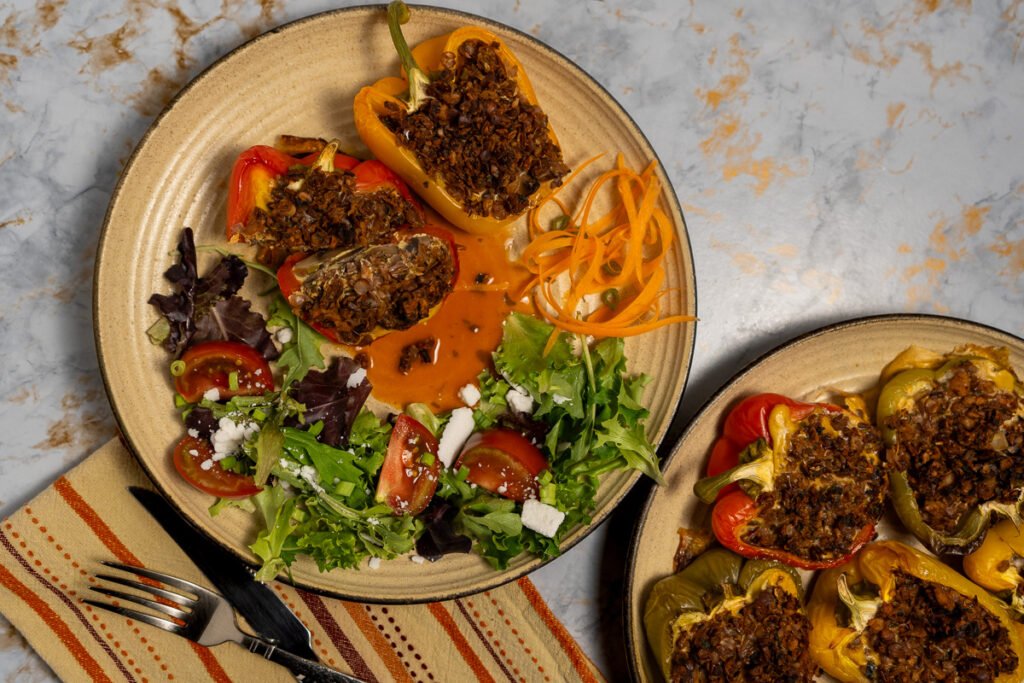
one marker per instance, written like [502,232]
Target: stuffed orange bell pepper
[471,138]
[895,613]
[285,204]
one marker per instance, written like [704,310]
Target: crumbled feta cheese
[229,436]
[193,452]
[458,429]
[542,518]
[418,559]
[194,433]
[374,563]
[212,394]
[519,401]
[283,335]
[559,399]
[309,474]
[469,395]
[206,465]
[356,378]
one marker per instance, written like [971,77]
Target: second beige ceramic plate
[301,79]
[848,357]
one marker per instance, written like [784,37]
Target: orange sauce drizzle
[467,328]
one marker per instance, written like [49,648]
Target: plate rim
[636,651]
[675,422]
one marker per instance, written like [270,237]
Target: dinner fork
[202,616]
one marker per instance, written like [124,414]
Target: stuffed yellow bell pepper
[895,613]
[997,563]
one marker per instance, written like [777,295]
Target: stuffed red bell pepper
[811,485]
[285,204]
[353,296]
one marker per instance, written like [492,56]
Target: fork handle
[304,670]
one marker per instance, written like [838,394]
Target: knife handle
[303,669]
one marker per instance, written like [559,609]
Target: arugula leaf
[302,352]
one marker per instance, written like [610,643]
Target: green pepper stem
[760,471]
[398,14]
[862,610]
[325,161]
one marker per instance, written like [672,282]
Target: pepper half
[716,585]
[953,425]
[383,97]
[268,187]
[998,561]
[811,486]
[858,604]
[354,296]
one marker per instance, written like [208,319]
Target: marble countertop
[833,160]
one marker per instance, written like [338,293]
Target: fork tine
[188,586]
[160,592]
[138,616]
[145,602]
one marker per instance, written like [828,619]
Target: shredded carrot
[613,264]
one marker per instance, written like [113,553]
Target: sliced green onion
[259,415]
[344,488]
[548,493]
[233,381]
[178,368]
[179,401]
[462,473]
[610,298]
[228,462]
[428,459]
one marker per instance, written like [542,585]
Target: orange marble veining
[949,72]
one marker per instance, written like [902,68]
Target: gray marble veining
[833,160]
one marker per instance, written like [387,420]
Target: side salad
[274,427]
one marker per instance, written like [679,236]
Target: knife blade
[255,601]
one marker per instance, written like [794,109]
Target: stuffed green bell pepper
[726,619]
[953,426]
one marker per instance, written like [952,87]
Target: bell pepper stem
[325,160]
[862,610]
[398,14]
[760,471]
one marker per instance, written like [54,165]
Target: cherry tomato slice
[209,365]
[189,455]
[503,462]
[407,483]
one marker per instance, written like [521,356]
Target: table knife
[255,601]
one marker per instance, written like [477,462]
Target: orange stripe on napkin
[103,532]
[380,644]
[78,651]
[557,630]
[452,629]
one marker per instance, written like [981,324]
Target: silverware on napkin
[257,602]
[200,615]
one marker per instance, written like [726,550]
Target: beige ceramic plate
[848,356]
[301,79]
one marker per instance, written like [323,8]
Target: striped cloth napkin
[50,548]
